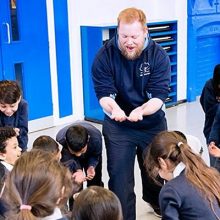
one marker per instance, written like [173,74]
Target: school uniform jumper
[180,200]
[215,130]
[211,108]
[210,105]
[92,157]
[18,120]
[131,83]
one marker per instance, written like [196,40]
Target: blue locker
[25,52]
[203,44]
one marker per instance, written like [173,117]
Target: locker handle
[8,32]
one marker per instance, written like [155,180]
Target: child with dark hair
[192,188]
[82,153]
[77,139]
[210,102]
[47,143]
[14,111]
[9,148]
[9,153]
[97,203]
[82,150]
[37,187]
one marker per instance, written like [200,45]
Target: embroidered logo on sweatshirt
[144,69]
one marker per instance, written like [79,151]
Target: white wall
[96,12]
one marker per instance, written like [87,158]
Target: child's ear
[2,156]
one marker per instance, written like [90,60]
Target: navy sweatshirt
[94,148]
[132,82]
[180,200]
[215,130]
[18,120]
[210,105]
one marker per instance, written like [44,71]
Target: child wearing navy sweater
[192,188]
[14,111]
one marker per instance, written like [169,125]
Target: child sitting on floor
[192,188]
[9,148]
[37,187]
[96,202]
[47,143]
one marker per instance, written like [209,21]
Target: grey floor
[186,117]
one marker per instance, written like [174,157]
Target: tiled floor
[186,117]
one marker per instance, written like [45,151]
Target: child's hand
[17,130]
[90,173]
[79,176]
[214,150]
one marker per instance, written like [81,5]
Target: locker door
[207,57]
[24,52]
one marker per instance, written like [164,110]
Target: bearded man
[131,75]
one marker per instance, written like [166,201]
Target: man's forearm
[108,104]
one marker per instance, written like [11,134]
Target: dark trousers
[122,145]
[215,162]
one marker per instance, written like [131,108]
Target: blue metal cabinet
[165,34]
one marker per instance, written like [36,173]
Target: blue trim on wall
[63,57]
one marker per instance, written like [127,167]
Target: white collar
[8,166]
[178,169]
[56,215]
